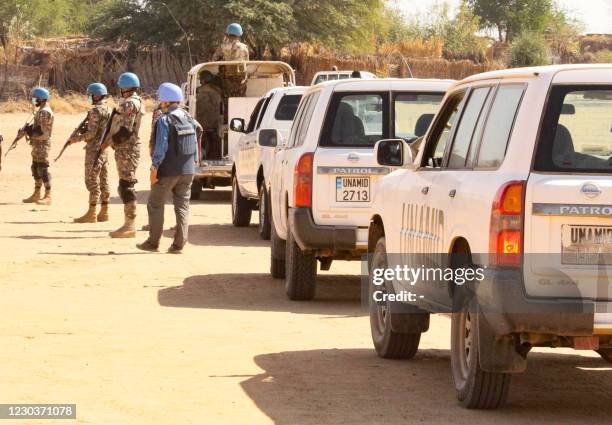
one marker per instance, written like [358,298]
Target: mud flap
[498,353]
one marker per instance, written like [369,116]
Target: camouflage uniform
[210,115]
[40,135]
[96,175]
[231,50]
[126,143]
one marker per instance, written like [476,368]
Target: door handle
[452,193]
[425,190]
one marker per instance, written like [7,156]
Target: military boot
[35,197]
[46,200]
[103,214]
[128,230]
[89,217]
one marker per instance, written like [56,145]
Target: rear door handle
[452,193]
[425,190]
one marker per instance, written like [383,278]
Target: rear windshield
[287,107]
[360,119]
[576,134]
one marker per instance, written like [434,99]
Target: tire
[241,207]
[196,189]
[264,213]
[301,272]
[475,388]
[606,354]
[277,252]
[388,343]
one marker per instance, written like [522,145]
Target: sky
[596,15]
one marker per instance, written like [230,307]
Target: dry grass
[415,48]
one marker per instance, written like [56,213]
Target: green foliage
[512,17]
[562,35]
[460,37]
[43,18]
[529,49]
[268,24]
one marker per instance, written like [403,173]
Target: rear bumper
[219,168]
[310,236]
[507,309]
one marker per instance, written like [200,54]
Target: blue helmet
[169,92]
[128,80]
[40,93]
[234,29]
[97,89]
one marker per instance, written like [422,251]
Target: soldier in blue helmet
[125,141]
[96,173]
[39,134]
[173,165]
[232,49]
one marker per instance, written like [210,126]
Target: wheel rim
[381,313]
[466,344]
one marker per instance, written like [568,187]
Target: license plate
[586,245]
[352,189]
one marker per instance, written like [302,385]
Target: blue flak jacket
[176,147]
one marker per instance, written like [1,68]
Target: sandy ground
[208,337]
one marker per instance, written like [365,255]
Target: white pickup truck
[512,185]
[217,91]
[252,167]
[325,177]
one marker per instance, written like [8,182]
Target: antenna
[182,29]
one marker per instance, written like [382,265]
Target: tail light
[506,231]
[302,181]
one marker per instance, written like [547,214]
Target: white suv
[513,185]
[255,151]
[325,178]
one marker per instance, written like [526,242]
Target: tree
[512,17]
[529,49]
[268,24]
[460,37]
[562,35]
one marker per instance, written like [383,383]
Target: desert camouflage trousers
[40,151]
[96,177]
[127,156]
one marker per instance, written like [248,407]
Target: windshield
[577,131]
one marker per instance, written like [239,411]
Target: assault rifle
[103,144]
[82,128]
[20,135]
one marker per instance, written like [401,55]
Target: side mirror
[237,125]
[393,152]
[268,137]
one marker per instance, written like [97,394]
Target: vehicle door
[345,172]
[247,142]
[420,237]
[568,202]
[252,151]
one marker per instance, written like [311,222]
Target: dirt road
[208,337]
